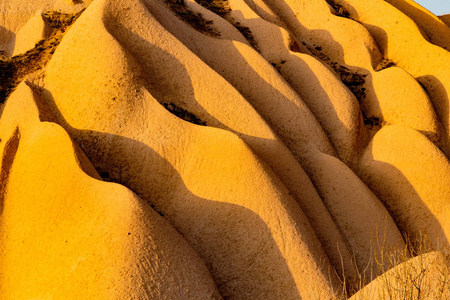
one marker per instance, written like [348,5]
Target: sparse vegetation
[8,78]
[221,8]
[421,278]
[245,31]
[194,19]
[15,69]
[198,21]
[354,81]
[404,273]
[58,20]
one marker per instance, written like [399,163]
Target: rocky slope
[208,149]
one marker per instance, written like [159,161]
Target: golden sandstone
[236,149]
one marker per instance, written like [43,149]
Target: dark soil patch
[222,8]
[58,20]
[8,79]
[245,31]
[15,69]
[384,64]
[354,81]
[9,154]
[339,9]
[219,7]
[373,122]
[294,46]
[194,19]
[183,114]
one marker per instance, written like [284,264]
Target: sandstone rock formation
[31,33]
[445,19]
[67,234]
[244,149]
[16,14]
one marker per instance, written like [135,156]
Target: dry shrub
[417,271]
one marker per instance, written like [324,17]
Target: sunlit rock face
[209,149]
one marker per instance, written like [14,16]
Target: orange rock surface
[236,149]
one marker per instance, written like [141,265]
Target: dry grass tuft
[417,271]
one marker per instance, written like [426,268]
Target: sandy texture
[333,105]
[32,32]
[275,101]
[190,169]
[400,39]
[445,19]
[435,29]
[244,149]
[83,238]
[16,14]
[393,166]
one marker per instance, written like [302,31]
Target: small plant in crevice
[15,69]
[194,19]
[183,114]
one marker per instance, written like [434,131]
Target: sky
[438,7]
